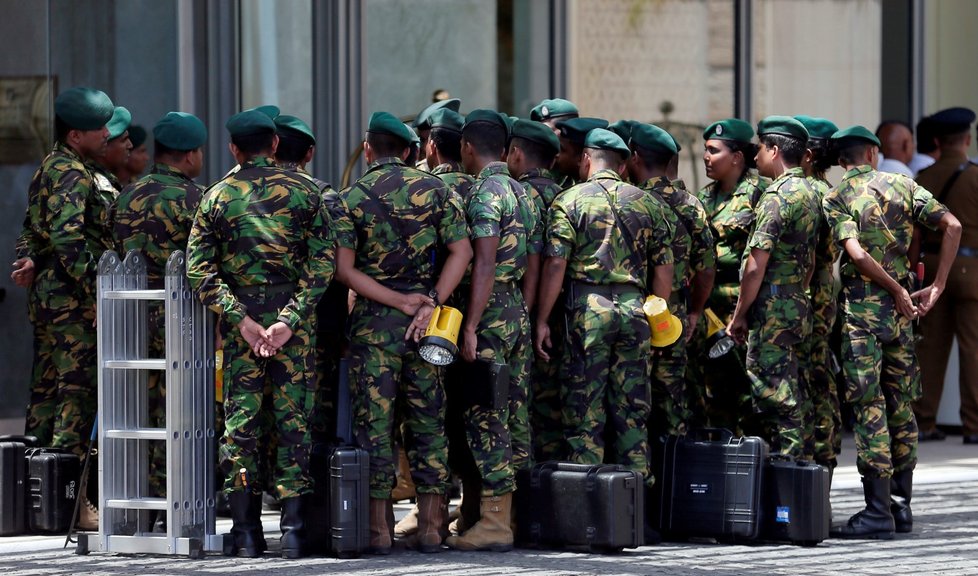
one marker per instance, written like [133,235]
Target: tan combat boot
[404,489]
[87,512]
[381,539]
[408,526]
[432,523]
[492,531]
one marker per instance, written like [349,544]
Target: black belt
[727,276]
[578,286]
[265,289]
[781,289]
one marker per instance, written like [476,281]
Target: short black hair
[852,154]
[487,138]
[292,148]
[926,136]
[652,159]
[161,150]
[536,153]
[385,145]
[253,144]
[61,129]
[824,155]
[791,149]
[448,143]
[606,156]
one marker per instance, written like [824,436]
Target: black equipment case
[707,484]
[53,478]
[795,501]
[598,508]
[13,489]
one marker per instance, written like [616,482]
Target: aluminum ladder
[124,435]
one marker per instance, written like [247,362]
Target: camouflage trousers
[608,368]
[780,320]
[520,430]
[156,398]
[669,412]
[64,378]
[823,428]
[267,401]
[546,421]
[882,379]
[386,373]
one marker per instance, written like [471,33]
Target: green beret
[119,123]
[446,119]
[730,129]
[484,115]
[653,138]
[601,139]
[783,126]
[553,108]
[83,108]
[952,120]
[817,127]
[293,126]
[854,135]
[536,132]
[180,131]
[679,148]
[249,122]
[510,121]
[415,140]
[387,123]
[423,119]
[576,129]
[269,110]
[137,135]
[623,128]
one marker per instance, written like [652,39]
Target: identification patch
[783,515]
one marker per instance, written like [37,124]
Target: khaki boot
[381,539]
[87,512]
[466,514]
[408,526]
[432,523]
[404,489]
[492,531]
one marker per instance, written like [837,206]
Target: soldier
[66,229]
[494,328]
[138,157]
[422,126]
[263,276]
[871,215]
[552,110]
[955,181]
[607,359]
[572,133]
[396,221]
[154,216]
[817,364]
[772,304]
[444,151]
[694,265]
[116,155]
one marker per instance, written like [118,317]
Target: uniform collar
[384,161]
[258,162]
[493,168]
[863,169]
[161,168]
[605,174]
[446,168]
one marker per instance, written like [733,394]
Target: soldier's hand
[926,298]
[23,274]
[276,336]
[411,303]
[253,334]
[420,323]
[541,341]
[905,305]
[737,329]
[693,318]
[469,341]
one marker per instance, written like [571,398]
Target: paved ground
[945,542]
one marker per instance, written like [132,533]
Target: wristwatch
[433,294]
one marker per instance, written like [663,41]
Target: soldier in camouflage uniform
[608,357]
[263,276]
[719,390]
[154,216]
[105,165]
[66,229]
[443,154]
[777,267]
[422,127]
[572,132]
[494,329]
[395,222]
[531,153]
[694,263]
[815,354]
[871,215]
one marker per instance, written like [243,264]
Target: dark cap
[818,128]
[538,133]
[653,138]
[180,131]
[553,108]
[576,129]
[83,108]
[423,119]
[952,121]
[119,123]
[291,125]
[783,126]
[249,122]
[137,135]
[854,135]
[446,119]
[622,128]
[730,129]
[387,123]
[485,115]
[415,140]
[602,139]
[269,110]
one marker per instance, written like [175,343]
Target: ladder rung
[137,434]
[137,503]
[134,294]
[147,364]
[159,544]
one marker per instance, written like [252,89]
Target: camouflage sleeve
[663,234]
[768,223]
[926,209]
[532,221]
[202,255]
[317,271]
[841,224]
[484,212]
[67,208]
[185,214]
[561,237]
[453,226]
[27,242]
[342,229]
[704,255]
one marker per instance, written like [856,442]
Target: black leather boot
[247,539]
[901,490]
[875,522]
[293,524]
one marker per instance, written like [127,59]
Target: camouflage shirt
[497,207]
[826,251]
[454,177]
[105,181]
[682,240]
[66,225]
[584,230]
[154,215]
[261,226]
[731,219]
[395,217]
[541,186]
[786,224]
[880,209]
[703,254]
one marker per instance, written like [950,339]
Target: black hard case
[13,489]
[598,508]
[53,478]
[795,501]
[708,484]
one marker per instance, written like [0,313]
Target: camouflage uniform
[544,402]
[879,362]
[395,236]
[495,209]
[454,177]
[608,347]
[242,262]
[154,216]
[719,391]
[786,227]
[66,229]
